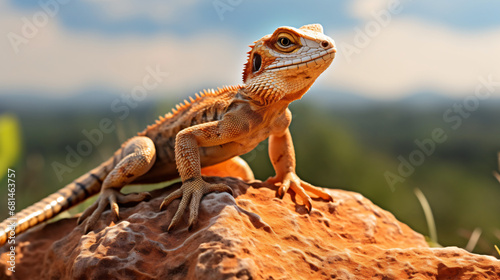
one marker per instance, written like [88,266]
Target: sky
[386,49]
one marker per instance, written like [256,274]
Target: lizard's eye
[256,62]
[286,42]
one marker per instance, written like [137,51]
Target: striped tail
[79,190]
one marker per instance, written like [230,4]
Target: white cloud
[59,61]
[393,55]
[405,56]
[158,10]
[409,55]
[363,9]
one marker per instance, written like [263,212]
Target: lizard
[206,135]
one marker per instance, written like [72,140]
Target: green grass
[10,142]
[431,224]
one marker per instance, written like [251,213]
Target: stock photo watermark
[11,229]
[121,106]
[453,119]
[31,26]
[223,6]
[364,36]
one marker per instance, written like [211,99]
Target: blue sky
[387,49]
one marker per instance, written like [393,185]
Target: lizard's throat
[269,90]
[263,94]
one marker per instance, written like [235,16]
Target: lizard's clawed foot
[108,197]
[291,180]
[191,192]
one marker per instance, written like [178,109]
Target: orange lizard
[206,136]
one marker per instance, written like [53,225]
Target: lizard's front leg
[216,134]
[135,158]
[282,156]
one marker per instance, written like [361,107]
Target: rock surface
[252,236]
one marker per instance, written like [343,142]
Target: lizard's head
[285,64]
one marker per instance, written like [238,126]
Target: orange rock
[252,236]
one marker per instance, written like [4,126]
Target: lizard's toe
[178,214]
[171,197]
[87,212]
[132,197]
[112,198]
[217,188]
[191,193]
[299,190]
[292,181]
[316,191]
[91,217]
[283,186]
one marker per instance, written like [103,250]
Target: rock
[252,236]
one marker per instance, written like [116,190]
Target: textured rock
[252,236]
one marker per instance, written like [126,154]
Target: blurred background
[411,102]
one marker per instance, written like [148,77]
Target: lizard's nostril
[325,44]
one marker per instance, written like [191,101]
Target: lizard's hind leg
[234,167]
[135,158]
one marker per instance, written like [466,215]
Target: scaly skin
[206,135]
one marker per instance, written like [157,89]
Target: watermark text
[453,119]
[11,229]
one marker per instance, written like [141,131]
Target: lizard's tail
[77,191]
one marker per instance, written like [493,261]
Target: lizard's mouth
[313,60]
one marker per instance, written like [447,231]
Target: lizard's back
[207,106]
